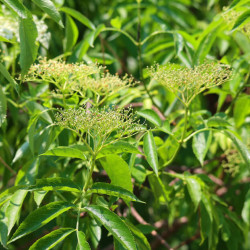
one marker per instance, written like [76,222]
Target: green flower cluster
[232,163]
[230,17]
[60,73]
[186,83]
[77,77]
[103,125]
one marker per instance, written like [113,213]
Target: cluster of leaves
[75,161]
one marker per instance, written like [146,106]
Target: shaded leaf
[93,34]
[114,225]
[95,232]
[3,225]
[201,143]
[166,127]
[51,239]
[7,194]
[246,209]
[241,109]
[150,151]
[24,150]
[14,208]
[82,242]
[11,80]
[194,189]
[168,149]
[217,122]
[112,190]
[243,18]
[27,174]
[118,148]
[159,190]
[179,43]
[151,116]
[206,41]
[56,183]
[78,16]
[28,34]
[71,33]
[3,107]
[40,217]
[74,151]
[242,148]
[205,223]
[140,238]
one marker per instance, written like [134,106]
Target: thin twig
[196,236]
[169,231]
[154,233]
[106,44]
[7,166]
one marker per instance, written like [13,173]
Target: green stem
[78,216]
[182,137]
[139,42]
[123,32]
[139,49]
[84,141]
[14,62]
[163,189]
[160,32]
[86,186]
[199,131]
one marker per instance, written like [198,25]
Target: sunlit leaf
[48,7]
[51,239]
[118,171]
[112,190]
[78,16]
[113,224]
[40,217]
[17,7]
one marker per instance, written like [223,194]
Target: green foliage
[127,119]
